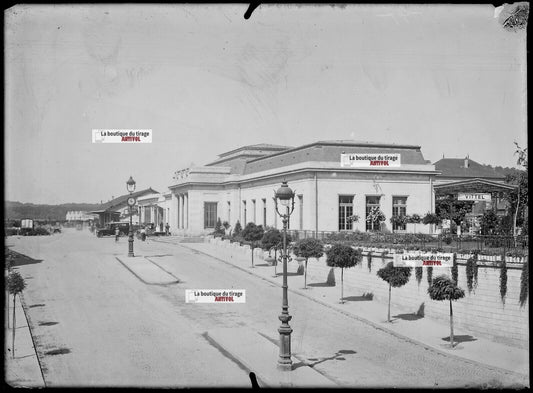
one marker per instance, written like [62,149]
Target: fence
[495,244]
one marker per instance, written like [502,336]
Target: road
[96,324]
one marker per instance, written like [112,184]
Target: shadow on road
[21,259]
[362,298]
[339,355]
[408,317]
[460,338]
[320,284]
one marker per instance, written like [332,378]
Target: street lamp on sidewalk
[130,185]
[284,196]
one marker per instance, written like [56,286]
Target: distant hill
[18,210]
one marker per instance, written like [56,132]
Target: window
[264,213]
[345,211]
[301,211]
[244,213]
[399,208]
[371,202]
[210,214]
[229,212]
[253,211]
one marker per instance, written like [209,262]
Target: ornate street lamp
[130,185]
[284,196]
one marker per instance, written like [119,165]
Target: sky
[205,80]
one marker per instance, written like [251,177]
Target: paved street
[95,323]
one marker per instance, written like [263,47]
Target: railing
[494,244]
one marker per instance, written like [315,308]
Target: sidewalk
[23,370]
[423,331]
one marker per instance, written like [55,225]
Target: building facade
[240,186]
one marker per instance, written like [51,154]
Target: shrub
[524,283]
[503,280]
[418,274]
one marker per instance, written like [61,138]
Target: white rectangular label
[215,296]
[473,196]
[370,160]
[423,259]
[122,136]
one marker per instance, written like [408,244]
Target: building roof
[121,201]
[330,151]
[455,167]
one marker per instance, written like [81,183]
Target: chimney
[466,161]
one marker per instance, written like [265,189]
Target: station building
[330,186]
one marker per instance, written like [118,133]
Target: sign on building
[473,196]
[370,160]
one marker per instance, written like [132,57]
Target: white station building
[332,181]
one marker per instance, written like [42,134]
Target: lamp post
[130,185]
[284,196]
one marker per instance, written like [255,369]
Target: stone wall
[482,311]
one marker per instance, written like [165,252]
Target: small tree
[237,229]
[219,229]
[343,256]
[396,276]
[308,248]
[253,234]
[443,288]
[15,285]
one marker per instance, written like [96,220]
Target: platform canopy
[472,186]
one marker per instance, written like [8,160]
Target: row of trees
[344,256]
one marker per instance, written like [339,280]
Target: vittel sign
[473,196]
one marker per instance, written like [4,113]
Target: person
[160,227]
[143,234]
[167,229]
[117,234]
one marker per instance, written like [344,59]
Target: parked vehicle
[109,230]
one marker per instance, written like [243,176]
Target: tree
[15,285]
[308,248]
[443,288]
[270,241]
[396,276]
[518,199]
[343,256]
[253,234]
[447,207]
[431,219]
